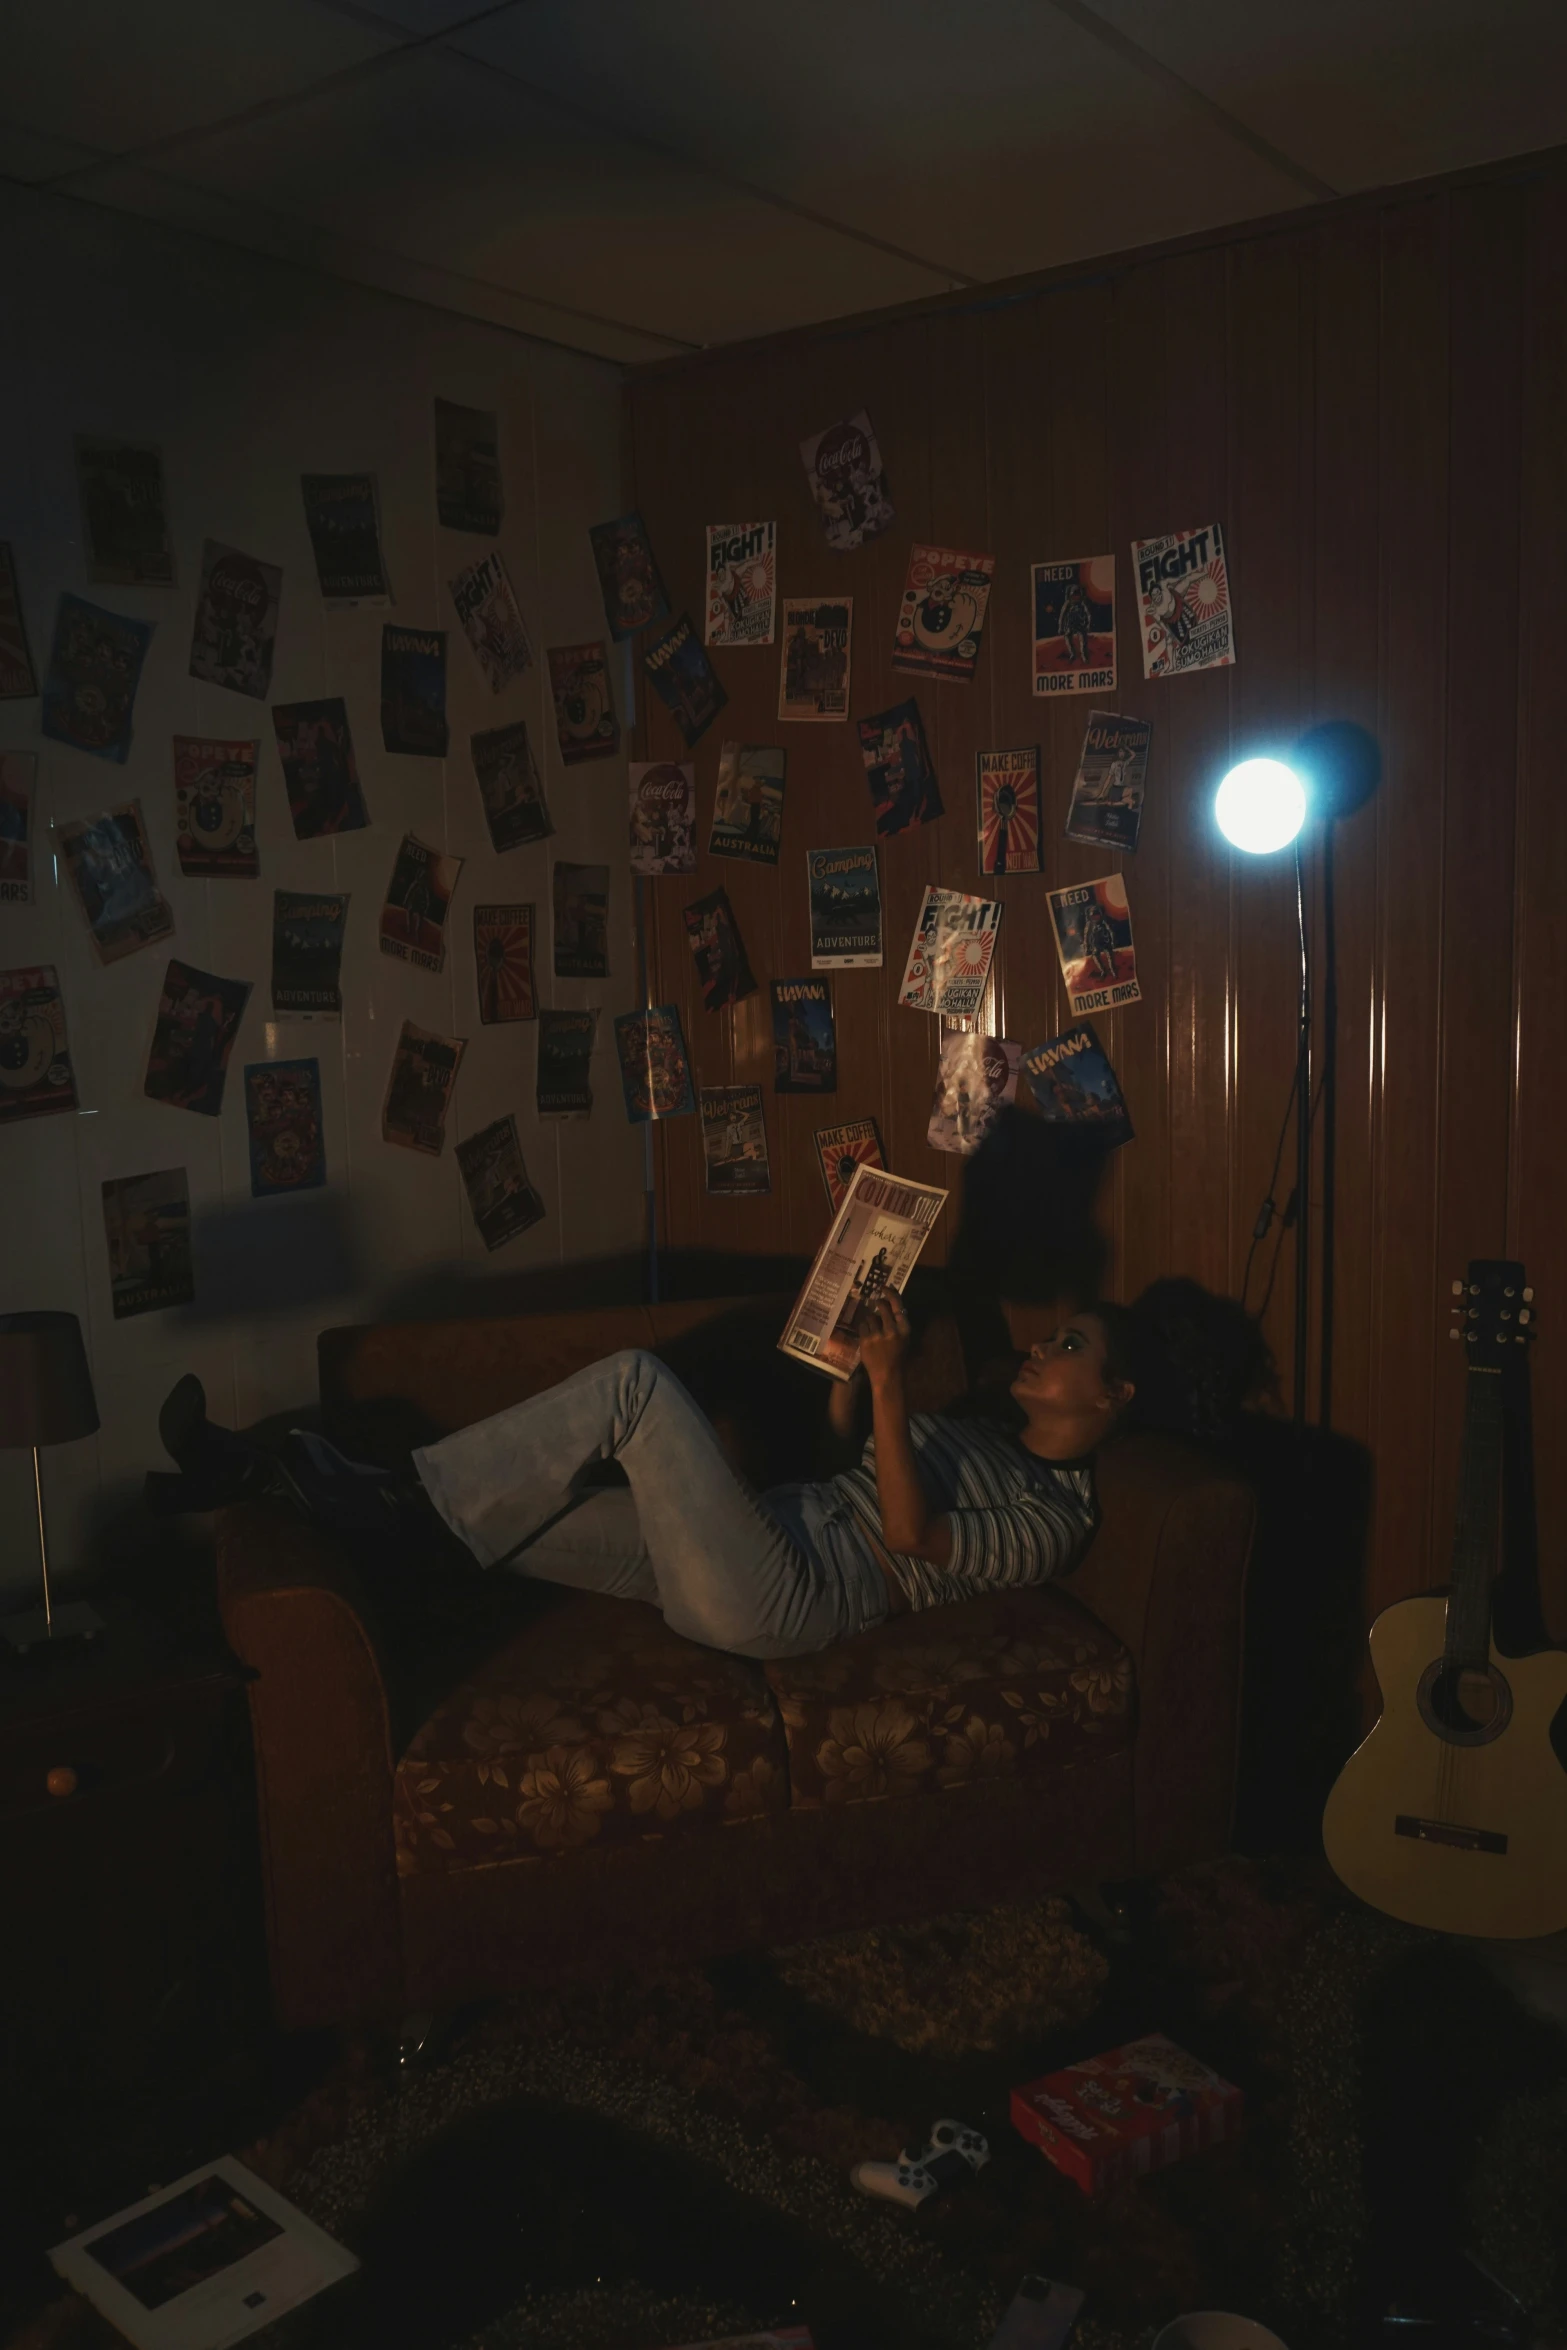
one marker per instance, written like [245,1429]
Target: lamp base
[74,1621]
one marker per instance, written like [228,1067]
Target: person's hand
[884,1340]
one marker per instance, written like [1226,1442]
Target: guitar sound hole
[1464,1708]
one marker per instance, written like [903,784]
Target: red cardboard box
[1138,2108]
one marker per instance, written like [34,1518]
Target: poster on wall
[215,808]
[307,953]
[413,691]
[951,953]
[1074,626]
[663,816]
[18,803]
[842,1150]
[722,966]
[1074,1085]
[813,675]
[108,862]
[146,1222]
[343,517]
[975,1079]
[655,1068]
[684,679]
[18,677]
[503,961]
[320,772]
[805,1037]
[942,615]
[510,787]
[418,899]
[36,1077]
[742,582]
[198,1019]
[845,899]
[1183,602]
[734,1141]
[585,722]
[234,635]
[902,781]
[500,1191]
[1009,810]
[634,594]
[1093,925]
[94,669]
[581,907]
[848,481]
[748,803]
[419,1089]
[468,468]
[491,617]
[1107,792]
[124,514]
[283,1126]
[564,1086]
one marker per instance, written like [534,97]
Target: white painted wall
[248,373]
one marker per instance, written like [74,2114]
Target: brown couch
[575,1785]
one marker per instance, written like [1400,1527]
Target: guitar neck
[1468,1645]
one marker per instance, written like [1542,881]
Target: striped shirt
[1014,1518]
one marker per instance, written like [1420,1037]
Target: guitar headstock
[1494,1307]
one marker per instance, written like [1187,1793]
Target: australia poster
[1009,811]
[748,803]
[198,1019]
[319,769]
[146,1222]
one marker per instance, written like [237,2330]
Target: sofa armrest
[1166,1572]
[321,1726]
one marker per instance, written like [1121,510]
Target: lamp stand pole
[1302,1153]
[40,1627]
[43,1542]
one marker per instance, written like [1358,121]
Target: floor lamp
[1262,807]
[46,1397]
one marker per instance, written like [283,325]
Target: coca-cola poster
[844,468]
[663,816]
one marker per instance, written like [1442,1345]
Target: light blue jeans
[779,1574]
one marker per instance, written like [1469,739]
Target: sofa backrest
[453,1373]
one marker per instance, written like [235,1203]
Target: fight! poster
[742,582]
[486,604]
[1183,602]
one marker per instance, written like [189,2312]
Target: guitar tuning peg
[1455,1334]
[1528,1297]
[1524,1314]
[1458,1289]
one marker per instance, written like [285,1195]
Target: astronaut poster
[1106,809]
[418,898]
[94,670]
[1093,926]
[742,582]
[1183,602]
[684,679]
[198,1019]
[108,862]
[283,1126]
[1074,626]
[585,722]
[515,808]
[813,677]
[123,513]
[492,620]
[35,1062]
[844,468]
[215,808]
[235,630]
[902,780]
[942,615]
[319,768]
[1009,811]
[343,517]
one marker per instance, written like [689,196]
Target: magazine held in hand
[873,1246]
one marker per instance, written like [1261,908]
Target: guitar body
[1464,1832]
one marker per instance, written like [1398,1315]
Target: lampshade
[46,1392]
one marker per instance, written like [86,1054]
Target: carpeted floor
[623,2166]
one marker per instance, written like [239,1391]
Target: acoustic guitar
[1453,1812]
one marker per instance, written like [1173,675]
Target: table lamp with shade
[46,1397]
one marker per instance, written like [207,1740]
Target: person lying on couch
[939,1507]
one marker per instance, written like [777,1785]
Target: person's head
[1074,1383]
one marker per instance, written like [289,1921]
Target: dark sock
[215,1459]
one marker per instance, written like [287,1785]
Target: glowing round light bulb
[1260,806]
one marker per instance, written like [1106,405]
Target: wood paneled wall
[1370,399]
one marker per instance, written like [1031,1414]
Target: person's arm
[841,1436]
[908,1523]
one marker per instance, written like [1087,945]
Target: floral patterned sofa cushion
[595,1725]
[1014,1681]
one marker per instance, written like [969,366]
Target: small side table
[126,1846]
